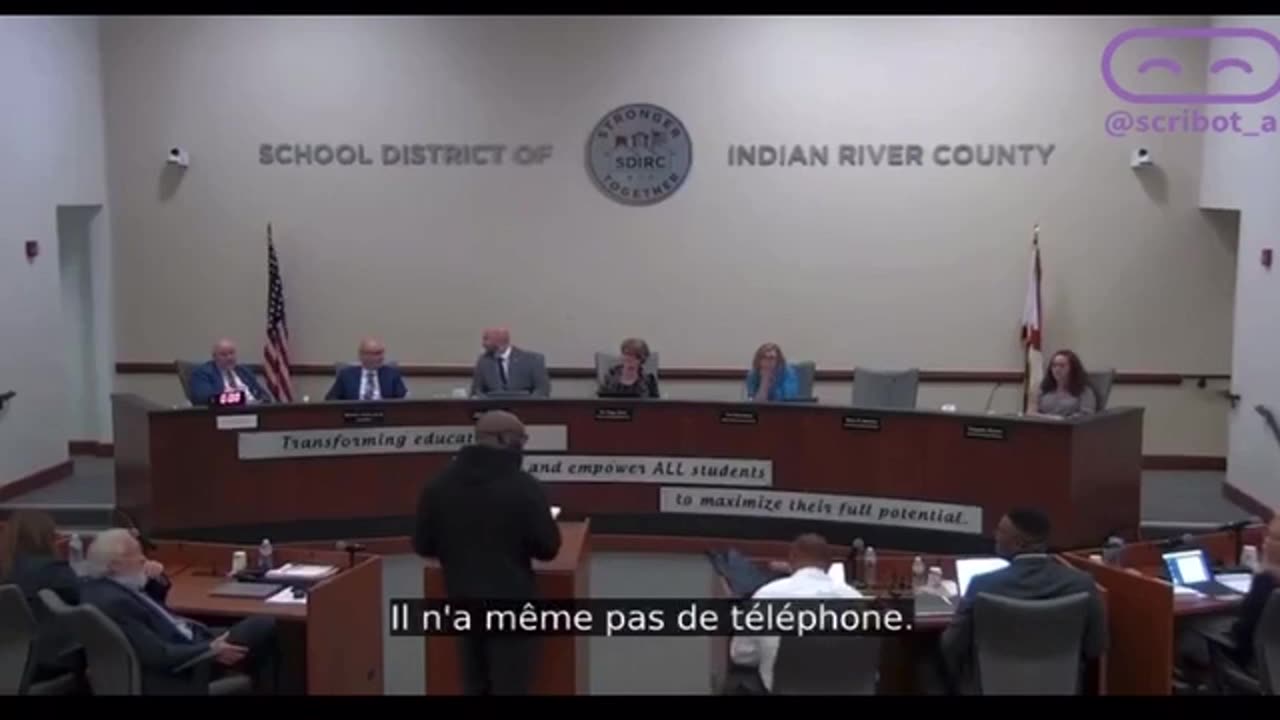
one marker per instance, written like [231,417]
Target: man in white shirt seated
[753,656]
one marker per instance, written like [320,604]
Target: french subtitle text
[661,617]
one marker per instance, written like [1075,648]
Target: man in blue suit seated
[131,590]
[223,374]
[370,380]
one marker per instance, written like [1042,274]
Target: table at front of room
[1146,616]
[700,469]
[903,656]
[330,644]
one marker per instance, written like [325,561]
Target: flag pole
[1032,322]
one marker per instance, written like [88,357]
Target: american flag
[275,354]
[1032,327]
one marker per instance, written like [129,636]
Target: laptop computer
[246,589]
[969,568]
[928,603]
[1190,569]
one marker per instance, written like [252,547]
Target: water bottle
[75,549]
[918,577]
[869,567]
[264,555]
[1112,550]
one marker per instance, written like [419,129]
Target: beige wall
[1243,174]
[880,266]
[51,154]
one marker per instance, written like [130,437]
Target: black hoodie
[486,519]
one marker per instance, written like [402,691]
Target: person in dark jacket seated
[370,380]
[130,590]
[29,559]
[486,519]
[1264,583]
[224,374]
[1022,538]
[628,377]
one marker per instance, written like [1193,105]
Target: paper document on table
[1240,582]
[286,596]
[299,571]
[1186,591]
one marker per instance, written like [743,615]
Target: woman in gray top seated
[1065,391]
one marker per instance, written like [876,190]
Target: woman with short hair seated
[771,378]
[629,377]
[29,559]
[1065,390]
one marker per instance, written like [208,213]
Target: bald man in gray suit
[504,368]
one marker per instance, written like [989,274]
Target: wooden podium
[561,666]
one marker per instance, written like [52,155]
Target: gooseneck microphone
[350,548]
[1184,540]
[855,558]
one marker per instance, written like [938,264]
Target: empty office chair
[885,388]
[604,361]
[806,371]
[112,664]
[184,368]
[1029,647]
[827,665]
[1101,382]
[19,630]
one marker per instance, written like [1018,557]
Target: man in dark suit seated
[370,380]
[507,369]
[223,374]
[1021,538]
[130,590]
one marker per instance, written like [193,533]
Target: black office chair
[827,665]
[1029,647]
[1229,676]
[19,631]
[113,667]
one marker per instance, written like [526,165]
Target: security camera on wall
[1141,158]
[179,157]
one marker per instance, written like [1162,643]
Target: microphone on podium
[1184,540]
[350,548]
[855,558]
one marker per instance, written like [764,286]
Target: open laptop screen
[1187,567]
[969,568]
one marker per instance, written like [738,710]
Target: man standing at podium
[486,519]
